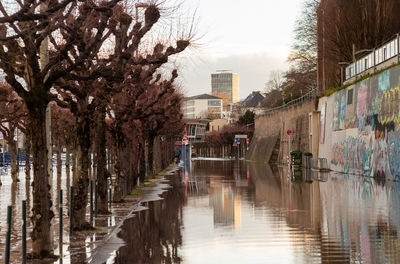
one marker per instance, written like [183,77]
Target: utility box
[296,157]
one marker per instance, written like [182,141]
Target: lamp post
[358,52]
[342,63]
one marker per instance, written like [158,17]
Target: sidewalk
[90,246]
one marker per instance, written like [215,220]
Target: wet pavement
[220,211]
[242,212]
[75,249]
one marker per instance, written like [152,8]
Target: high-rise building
[225,85]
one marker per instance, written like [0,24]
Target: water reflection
[154,235]
[238,212]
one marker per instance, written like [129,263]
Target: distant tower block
[225,84]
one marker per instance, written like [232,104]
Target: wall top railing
[377,56]
[307,97]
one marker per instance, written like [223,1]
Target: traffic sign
[289,132]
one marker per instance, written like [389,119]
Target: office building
[225,85]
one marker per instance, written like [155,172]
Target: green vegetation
[149,184]
[136,192]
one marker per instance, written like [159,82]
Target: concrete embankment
[270,143]
[360,127]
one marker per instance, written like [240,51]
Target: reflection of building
[202,106]
[225,85]
[226,205]
[223,203]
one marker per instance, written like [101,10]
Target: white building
[202,106]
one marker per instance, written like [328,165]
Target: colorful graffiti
[322,125]
[362,106]
[354,155]
[389,107]
[342,112]
[394,154]
[375,149]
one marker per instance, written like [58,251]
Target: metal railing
[377,56]
[307,97]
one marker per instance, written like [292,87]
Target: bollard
[24,231]
[95,198]
[71,209]
[61,222]
[8,238]
[109,199]
[91,201]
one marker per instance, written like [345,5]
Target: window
[214,103]
[350,97]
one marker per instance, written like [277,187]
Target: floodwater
[241,212]
[75,249]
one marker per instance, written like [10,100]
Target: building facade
[225,85]
[202,106]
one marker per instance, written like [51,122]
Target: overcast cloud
[249,37]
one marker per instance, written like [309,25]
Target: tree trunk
[13,154]
[150,155]
[119,181]
[27,145]
[41,210]
[81,181]
[74,164]
[59,161]
[142,163]
[100,143]
[67,156]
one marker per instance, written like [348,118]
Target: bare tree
[275,82]
[74,40]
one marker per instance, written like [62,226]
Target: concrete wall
[360,131]
[273,126]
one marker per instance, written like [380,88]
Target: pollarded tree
[67,27]
[165,114]
[12,114]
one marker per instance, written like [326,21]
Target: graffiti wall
[363,127]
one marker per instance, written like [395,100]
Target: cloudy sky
[249,37]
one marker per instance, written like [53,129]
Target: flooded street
[241,212]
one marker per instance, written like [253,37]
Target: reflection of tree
[154,235]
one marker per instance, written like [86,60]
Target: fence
[377,56]
[307,97]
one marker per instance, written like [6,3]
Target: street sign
[289,132]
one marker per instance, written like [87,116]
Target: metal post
[95,198]
[61,222]
[374,60]
[8,237]
[24,231]
[71,210]
[341,75]
[398,48]
[91,201]
[109,199]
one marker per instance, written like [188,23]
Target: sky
[249,37]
